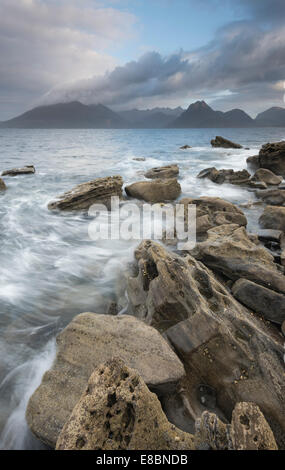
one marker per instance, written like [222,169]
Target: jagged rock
[169,171]
[212,433]
[266,302]
[225,143]
[272,157]
[221,344]
[185,147]
[118,412]
[253,162]
[250,430]
[267,177]
[88,341]
[26,170]
[3,186]
[230,251]
[213,211]
[225,176]
[159,190]
[273,218]
[83,196]
[272,197]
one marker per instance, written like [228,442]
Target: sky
[142,53]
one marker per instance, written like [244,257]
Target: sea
[50,267]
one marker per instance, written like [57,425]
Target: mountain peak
[199,105]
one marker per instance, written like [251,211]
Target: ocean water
[50,269]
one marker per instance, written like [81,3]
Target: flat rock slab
[27,170]
[272,197]
[83,196]
[224,143]
[273,218]
[160,190]
[169,171]
[88,341]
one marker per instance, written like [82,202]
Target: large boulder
[170,171]
[27,170]
[83,196]
[266,302]
[213,211]
[272,197]
[118,412]
[225,143]
[3,186]
[229,251]
[225,176]
[159,190]
[88,341]
[273,218]
[266,176]
[253,162]
[226,349]
[272,157]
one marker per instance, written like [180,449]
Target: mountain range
[75,115]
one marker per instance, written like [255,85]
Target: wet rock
[88,341]
[253,162]
[139,159]
[159,190]
[283,328]
[26,170]
[267,177]
[272,197]
[83,196]
[273,218]
[265,302]
[272,157]
[185,147]
[257,184]
[205,324]
[225,176]
[3,186]
[169,171]
[276,236]
[231,252]
[118,412]
[225,143]
[250,430]
[213,211]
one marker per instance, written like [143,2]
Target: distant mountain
[74,115]
[151,118]
[201,115]
[273,117]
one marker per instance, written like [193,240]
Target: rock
[225,176]
[267,177]
[261,300]
[27,170]
[253,162]
[250,430]
[283,328]
[222,142]
[273,218]
[185,147]
[212,433]
[88,341]
[272,197]
[118,412]
[223,346]
[159,190]
[3,186]
[272,157]
[83,196]
[257,184]
[139,159]
[230,251]
[213,211]
[169,171]
[268,235]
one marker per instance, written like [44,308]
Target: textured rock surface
[269,304]
[273,218]
[26,170]
[185,147]
[155,191]
[229,251]
[98,191]
[88,341]
[225,176]
[118,412]
[3,186]
[267,177]
[272,157]
[272,197]
[169,171]
[225,143]
[222,345]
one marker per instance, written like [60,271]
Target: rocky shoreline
[197,361]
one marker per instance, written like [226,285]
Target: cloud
[243,58]
[46,42]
